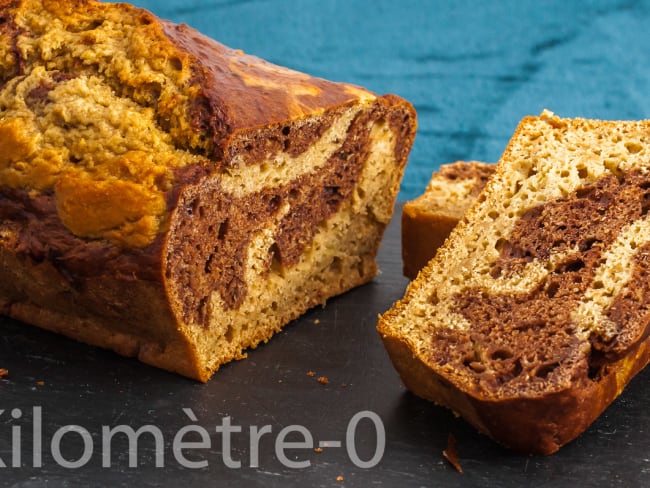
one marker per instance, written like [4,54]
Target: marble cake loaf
[534,314]
[428,219]
[175,200]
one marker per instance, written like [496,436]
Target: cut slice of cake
[534,314]
[173,199]
[428,219]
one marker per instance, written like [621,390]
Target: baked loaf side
[173,199]
[428,219]
[534,314]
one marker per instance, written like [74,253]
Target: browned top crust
[222,91]
[108,110]
[237,91]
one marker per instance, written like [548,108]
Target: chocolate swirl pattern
[534,314]
[173,199]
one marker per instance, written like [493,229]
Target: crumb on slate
[451,453]
[323,380]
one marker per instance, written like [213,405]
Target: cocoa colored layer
[212,248]
[210,245]
[480,172]
[520,339]
[41,236]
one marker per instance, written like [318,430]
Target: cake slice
[428,219]
[534,314]
[173,199]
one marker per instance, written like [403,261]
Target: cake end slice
[428,219]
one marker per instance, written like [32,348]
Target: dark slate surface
[92,388]
[472,68]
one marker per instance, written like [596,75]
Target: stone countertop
[472,68]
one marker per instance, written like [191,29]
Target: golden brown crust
[530,425]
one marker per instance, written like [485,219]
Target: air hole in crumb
[88,27]
[501,354]
[583,173]
[645,203]
[230,333]
[223,230]
[588,243]
[552,289]
[517,369]
[633,147]
[207,267]
[176,63]
[499,244]
[286,130]
[274,203]
[545,370]
[570,266]
[336,266]
[477,367]
[276,265]
[598,285]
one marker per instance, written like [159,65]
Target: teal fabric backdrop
[471,68]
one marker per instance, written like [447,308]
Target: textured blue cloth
[472,69]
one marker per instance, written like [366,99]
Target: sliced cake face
[541,293]
[224,195]
[269,241]
[428,219]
